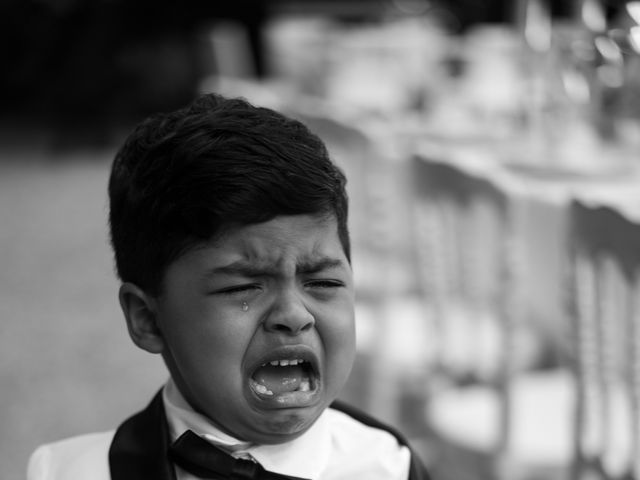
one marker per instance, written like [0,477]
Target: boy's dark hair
[181,178]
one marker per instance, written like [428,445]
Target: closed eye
[324,284]
[238,289]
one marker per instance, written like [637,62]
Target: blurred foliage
[84,60]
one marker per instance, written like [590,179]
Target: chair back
[605,329]
[467,256]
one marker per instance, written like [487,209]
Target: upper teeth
[284,363]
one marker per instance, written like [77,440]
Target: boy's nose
[289,315]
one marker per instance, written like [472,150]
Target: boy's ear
[139,310]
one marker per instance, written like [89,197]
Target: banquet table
[540,196]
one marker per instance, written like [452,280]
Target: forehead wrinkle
[319,264]
[255,266]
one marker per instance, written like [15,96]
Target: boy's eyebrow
[318,265]
[256,269]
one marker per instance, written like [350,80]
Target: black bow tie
[202,459]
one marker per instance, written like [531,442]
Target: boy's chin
[281,427]
[285,417]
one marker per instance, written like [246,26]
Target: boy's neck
[182,416]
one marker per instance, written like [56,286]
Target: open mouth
[287,377]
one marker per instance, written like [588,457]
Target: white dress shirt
[335,447]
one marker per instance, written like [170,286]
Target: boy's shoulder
[370,447]
[348,423]
[72,458]
[359,419]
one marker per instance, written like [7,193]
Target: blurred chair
[605,249]
[491,412]
[468,266]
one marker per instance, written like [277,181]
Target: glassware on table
[574,75]
[621,104]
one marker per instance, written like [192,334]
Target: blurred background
[491,148]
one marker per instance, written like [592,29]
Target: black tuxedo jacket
[139,448]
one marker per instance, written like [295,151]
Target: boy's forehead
[301,241]
[280,230]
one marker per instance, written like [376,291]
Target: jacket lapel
[139,448]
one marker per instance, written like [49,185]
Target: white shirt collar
[306,456]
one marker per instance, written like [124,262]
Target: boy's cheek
[341,347]
[338,335]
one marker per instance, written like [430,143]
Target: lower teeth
[262,389]
[305,386]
